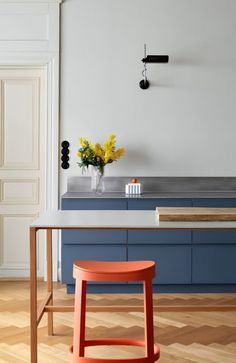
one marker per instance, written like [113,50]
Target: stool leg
[79,319]
[148,316]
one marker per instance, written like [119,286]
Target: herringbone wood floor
[184,337]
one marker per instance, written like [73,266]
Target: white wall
[184,124]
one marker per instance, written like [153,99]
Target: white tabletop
[117,219]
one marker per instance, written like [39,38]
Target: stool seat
[113,271]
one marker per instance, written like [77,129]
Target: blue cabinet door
[94,237]
[71,253]
[215,203]
[214,237]
[151,204]
[214,264]
[94,204]
[173,263]
[159,237]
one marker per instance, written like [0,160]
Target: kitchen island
[187,260]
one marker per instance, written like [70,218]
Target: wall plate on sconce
[144,83]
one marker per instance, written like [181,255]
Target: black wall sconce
[144,83]
[65,154]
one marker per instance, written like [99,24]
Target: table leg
[148,313]
[33,295]
[49,279]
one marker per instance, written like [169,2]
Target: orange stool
[84,271]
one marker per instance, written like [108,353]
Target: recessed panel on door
[19,123]
[14,241]
[19,191]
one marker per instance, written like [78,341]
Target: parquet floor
[184,337]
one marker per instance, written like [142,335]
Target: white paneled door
[22,164]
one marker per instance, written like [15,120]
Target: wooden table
[113,220]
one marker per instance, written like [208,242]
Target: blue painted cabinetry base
[187,261]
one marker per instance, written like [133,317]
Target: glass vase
[97,180]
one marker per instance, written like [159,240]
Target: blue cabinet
[105,245]
[151,204]
[171,250]
[214,252]
[214,202]
[173,263]
[214,264]
[71,253]
[186,260]
[159,237]
[93,237]
[214,237]
[93,203]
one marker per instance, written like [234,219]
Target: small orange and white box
[133,188]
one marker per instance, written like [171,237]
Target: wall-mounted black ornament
[65,154]
[65,165]
[65,151]
[65,158]
[144,83]
[65,144]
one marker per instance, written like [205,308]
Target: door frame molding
[50,62]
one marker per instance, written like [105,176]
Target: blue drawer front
[159,237]
[214,203]
[94,237]
[101,253]
[214,264]
[221,237]
[173,263]
[151,204]
[95,204]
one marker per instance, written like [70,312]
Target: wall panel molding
[7,148]
[29,25]
[17,196]
[12,258]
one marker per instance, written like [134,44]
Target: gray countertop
[151,195]
[155,187]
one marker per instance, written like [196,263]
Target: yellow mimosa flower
[83,142]
[98,150]
[118,153]
[108,156]
[110,143]
[98,155]
[92,146]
